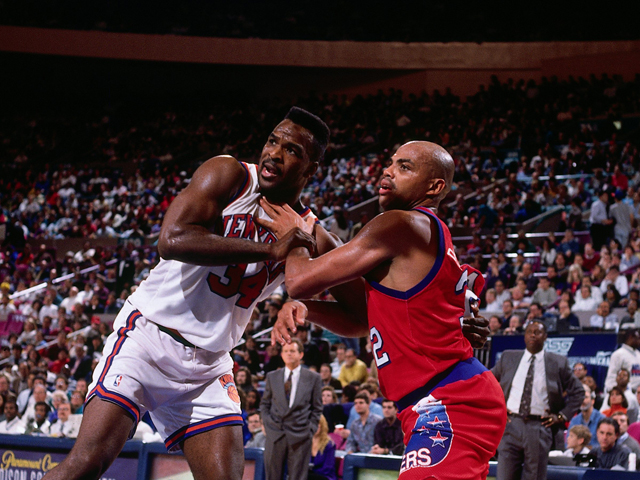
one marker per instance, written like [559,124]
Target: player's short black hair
[314,124]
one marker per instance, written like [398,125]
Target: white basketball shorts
[186,390]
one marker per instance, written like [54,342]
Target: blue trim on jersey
[463,370]
[244,185]
[430,276]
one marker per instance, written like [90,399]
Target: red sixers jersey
[417,334]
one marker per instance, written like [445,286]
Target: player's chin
[386,202]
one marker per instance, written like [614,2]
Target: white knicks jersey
[211,306]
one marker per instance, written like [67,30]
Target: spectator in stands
[603,318]
[247,355]
[502,293]
[253,400]
[12,424]
[323,454]
[257,440]
[548,253]
[327,379]
[569,245]
[629,259]
[567,320]
[518,298]
[387,433]
[596,293]
[613,277]
[312,356]
[272,360]
[608,452]
[574,278]
[579,371]
[624,439]
[49,309]
[622,382]
[591,257]
[82,366]
[339,359]
[353,369]
[77,402]
[578,441]
[622,216]
[600,222]
[544,295]
[632,317]
[495,325]
[612,296]
[617,402]
[6,307]
[528,277]
[57,397]
[515,326]
[626,357]
[535,313]
[361,435]
[584,301]
[244,379]
[492,305]
[65,426]
[374,406]
[588,415]
[39,425]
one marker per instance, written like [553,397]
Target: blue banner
[592,349]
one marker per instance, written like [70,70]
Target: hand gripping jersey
[211,306]
[417,334]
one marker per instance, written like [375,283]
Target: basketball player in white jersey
[169,353]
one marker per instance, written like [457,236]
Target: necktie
[525,402]
[287,387]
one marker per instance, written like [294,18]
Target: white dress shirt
[539,394]
[294,382]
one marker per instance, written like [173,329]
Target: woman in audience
[253,400]
[617,401]
[547,254]
[612,296]
[323,454]
[574,278]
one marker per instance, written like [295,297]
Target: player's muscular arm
[187,232]
[377,242]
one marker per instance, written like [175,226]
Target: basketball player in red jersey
[452,409]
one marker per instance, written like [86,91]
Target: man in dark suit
[291,407]
[541,394]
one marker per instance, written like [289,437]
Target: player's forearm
[200,247]
[335,318]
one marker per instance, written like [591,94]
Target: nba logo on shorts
[431,436]
[117,380]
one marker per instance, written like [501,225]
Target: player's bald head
[436,158]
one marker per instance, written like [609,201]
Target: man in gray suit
[541,395]
[291,407]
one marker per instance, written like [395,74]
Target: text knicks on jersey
[242,279]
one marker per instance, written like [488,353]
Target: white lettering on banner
[600,360]
[13,474]
[559,345]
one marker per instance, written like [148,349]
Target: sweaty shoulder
[222,176]
[399,225]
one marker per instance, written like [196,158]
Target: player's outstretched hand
[292,239]
[291,314]
[284,218]
[475,328]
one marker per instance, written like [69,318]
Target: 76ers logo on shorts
[117,380]
[227,383]
[431,436]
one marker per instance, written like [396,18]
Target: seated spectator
[82,366]
[332,409]
[243,379]
[515,326]
[12,424]
[77,402]
[252,400]
[502,293]
[632,316]
[258,438]
[492,305]
[507,312]
[353,369]
[374,406]
[624,439]
[518,298]
[323,454]
[588,415]
[578,441]
[629,259]
[608,452]
[612,296]
[388,433]
[39,395]
[569,245]
[326,374]
[603,318]
[591,257]
[548,253]
[544,295]
[584,301]
[66,425]
[39,425]
[617,402]
[574,278]
[58,397]
[567,320]
[6,307]
[495,325]
[272,360]
[361,437]
[613,277]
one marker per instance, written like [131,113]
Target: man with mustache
[452,409]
